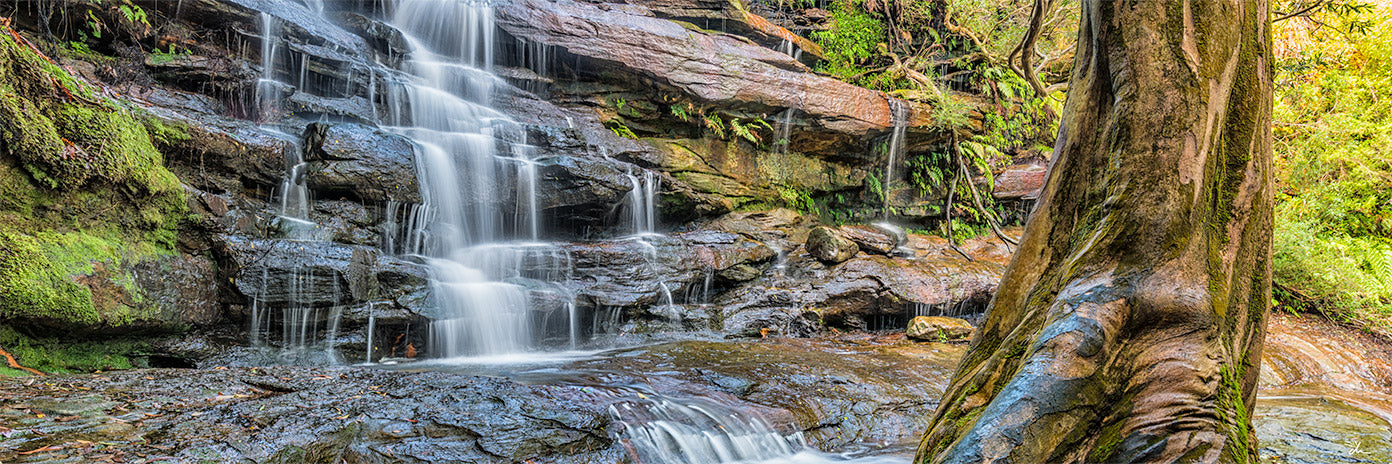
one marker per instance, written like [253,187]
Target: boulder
[938,329]
[830,246]
[872,239]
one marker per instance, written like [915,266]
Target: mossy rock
[84,196]
[65,355]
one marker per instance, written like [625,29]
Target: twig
[976,200]
[1300,12]
[15,364]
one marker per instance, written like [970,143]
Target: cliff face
[271,157]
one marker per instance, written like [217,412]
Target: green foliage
[158,56]
[621,130]
[714,123]
[681,112]
[1333,152]
[799,200]
[851,42]
[66,356]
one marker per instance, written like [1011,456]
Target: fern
[744,132]
[714,123]
[680,112]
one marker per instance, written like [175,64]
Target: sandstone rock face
[830,246]
[1020,182]
[715,68]
[938,329]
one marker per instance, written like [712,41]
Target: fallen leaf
[40,450]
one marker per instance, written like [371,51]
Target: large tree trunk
[1129,325]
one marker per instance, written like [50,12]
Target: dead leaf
[40,450]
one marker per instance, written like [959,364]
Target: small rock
[830,246]
[939,329]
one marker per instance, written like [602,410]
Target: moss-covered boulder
[84,198]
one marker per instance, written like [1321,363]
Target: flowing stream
[480,230]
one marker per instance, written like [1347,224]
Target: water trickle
[789,48]
[641,203]
[895,149]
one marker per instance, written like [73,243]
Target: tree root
[15,364]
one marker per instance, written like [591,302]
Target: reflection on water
[1310,426]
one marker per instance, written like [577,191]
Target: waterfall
[480,221]
[642,203]
[895,149]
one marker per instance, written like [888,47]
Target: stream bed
[859,398]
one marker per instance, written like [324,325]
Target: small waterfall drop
[895,149]
[665,430]
[641,203]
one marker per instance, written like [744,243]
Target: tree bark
[1129,325]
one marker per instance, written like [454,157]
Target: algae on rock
[84,196]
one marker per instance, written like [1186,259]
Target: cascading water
[664,430]
[895,149]
[667,430]
[484,267]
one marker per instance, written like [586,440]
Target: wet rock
[926,277]
[872,239]
[830,246]
[185,286]
[732,18]
[346,222]
[293,414]
[220,154]
[780,228]
[199,72]
[578,192]
[780,321]
[937,328]
[741,173]
[300,23]
[385,39]
[310,106]
[360,162]
[642,272]
[314,273]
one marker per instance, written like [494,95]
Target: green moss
[1232,410]
[83,196]
[62,356]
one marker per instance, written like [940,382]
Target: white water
[896,148]
[479,221]
[662,430]
[641,203]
